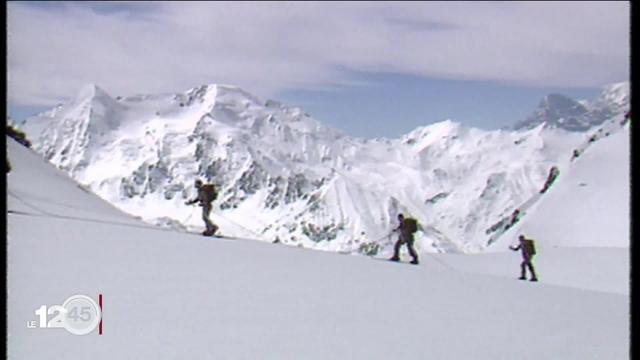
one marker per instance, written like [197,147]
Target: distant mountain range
[283,175]
[563,112]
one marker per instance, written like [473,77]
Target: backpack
[530,247]
[210,193]
[411,225]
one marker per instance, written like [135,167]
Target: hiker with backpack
[407,228]
[528,250]
[206,195]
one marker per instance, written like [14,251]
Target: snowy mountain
[285,176]
[170,295]
[611,185]
[599,178]
[563,112]
[584,218]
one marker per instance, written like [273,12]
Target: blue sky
[368,68]
[395,104]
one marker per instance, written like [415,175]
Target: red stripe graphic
[100,302]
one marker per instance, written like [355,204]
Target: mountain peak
[616,94]
[431,133]
[91,90]
[443,127]
[558,101]
[557,110]
[223,92]
[619,86]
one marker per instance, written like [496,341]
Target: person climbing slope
[528,250]
[407,227]
[206,195]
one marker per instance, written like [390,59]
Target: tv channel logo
[79,315]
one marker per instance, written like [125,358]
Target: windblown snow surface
[172,295]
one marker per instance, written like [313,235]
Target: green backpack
[530,247]
[411,225]
[210,192]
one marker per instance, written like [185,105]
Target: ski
[392,261]
[219,236]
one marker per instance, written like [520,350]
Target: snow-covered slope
[612,187]
[169,295]
[589,203]
[580,225]
[40,183]
[284,175]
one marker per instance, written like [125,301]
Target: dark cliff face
[556,110]
[563,112]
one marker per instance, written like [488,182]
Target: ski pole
[188,217]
